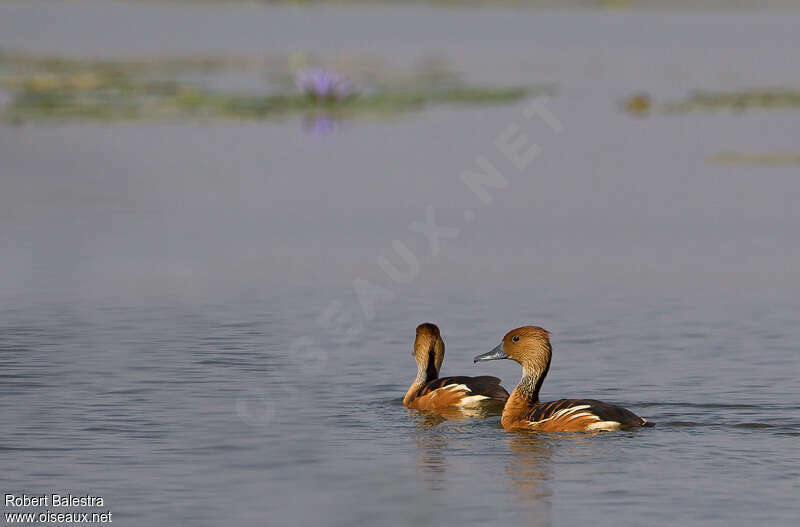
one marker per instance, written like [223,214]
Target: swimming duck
[530,347]
[429,392]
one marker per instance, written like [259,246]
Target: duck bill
[495,354]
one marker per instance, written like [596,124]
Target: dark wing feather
[604,411]
[611,412]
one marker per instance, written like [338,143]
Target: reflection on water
[526,476]
[529,473]
[432,443]
[319,124]
[427,419]
[433,434]
[457,413]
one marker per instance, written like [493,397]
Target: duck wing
[459,391]
[573,415]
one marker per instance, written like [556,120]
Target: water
[180,334]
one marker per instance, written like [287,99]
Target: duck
[530,347]
[430,392]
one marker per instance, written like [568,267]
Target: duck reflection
[522,461]
[457,413]
[529,471]
[432,443]
[435,441]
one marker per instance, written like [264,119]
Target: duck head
[528,345]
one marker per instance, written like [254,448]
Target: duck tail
[646,423]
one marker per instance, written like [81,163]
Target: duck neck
[524,397]
[426,372]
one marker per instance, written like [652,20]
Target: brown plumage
[530,347]
[429,392]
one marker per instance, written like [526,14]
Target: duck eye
[515,338]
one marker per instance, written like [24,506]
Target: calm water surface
[179,333]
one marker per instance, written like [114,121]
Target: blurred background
[221,221]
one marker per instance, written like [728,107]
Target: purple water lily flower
[5,98]
[321,84]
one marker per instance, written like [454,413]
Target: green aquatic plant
[639,104]
[768,98]
[756,159]
[50,88]
[718,101]
[191,102]
[762,99]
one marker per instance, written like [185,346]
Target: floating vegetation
[769,99]
[55,88]
[753,159]
[639,104]
[706,101]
